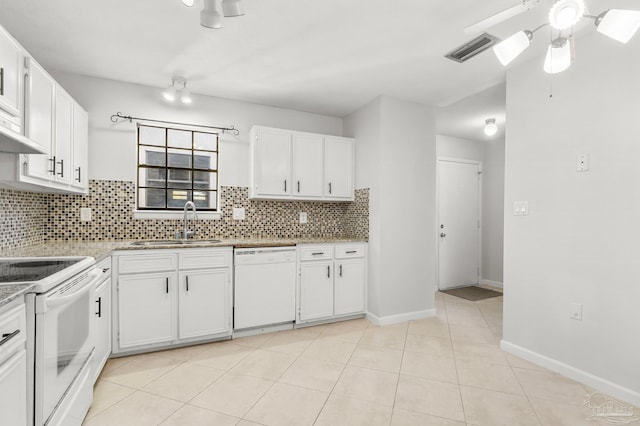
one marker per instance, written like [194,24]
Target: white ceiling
[323,56]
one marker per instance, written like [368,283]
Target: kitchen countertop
[101,249]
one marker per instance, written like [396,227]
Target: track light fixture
[620,25]
[177,90]
[210,17]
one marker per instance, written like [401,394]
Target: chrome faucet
[185,232]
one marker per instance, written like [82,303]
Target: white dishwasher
[264,286]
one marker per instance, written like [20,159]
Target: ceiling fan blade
[489,22]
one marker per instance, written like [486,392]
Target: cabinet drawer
[350,250]
[316,252]
[199,259]
[147,263]
[11,322]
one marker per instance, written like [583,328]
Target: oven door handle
[61,300]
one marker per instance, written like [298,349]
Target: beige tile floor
[447,370]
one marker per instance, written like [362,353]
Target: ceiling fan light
[509,49]
[210,17]
[566,13]
[169,94]
[558,57]
[185,96]
[490,127]
[231,8]
[188,3]
[620,25]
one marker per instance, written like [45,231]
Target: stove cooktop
[32,270]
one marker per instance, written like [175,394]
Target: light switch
[238,213]
[85,214]
[303,217]
[521,208]
[582,164]
[576,311]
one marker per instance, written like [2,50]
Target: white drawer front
[350,250]
[316,252]
[12,321]
[139,263]
[201,259]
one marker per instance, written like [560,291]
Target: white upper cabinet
[288,165]
[80,147]
[307,165]
[271,163]
[338,168]
[10,74]
[63,136]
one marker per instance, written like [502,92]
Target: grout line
[455,362]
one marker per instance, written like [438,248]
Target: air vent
[472,48]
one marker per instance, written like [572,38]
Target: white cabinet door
[204,303]
[316,290]
[146,308]
[272,162]
[102,327]
[349,286]
[338,168]
[63,131]
[80,147]
[39,120]
[13,390]
[10,75]
[307,165]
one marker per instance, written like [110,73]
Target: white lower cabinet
[172,297]
[13,365]
[102,320]
[332,281]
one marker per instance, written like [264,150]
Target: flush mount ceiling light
[210,17]
[620,25]
[177,90]
[490,127]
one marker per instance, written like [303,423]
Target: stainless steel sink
[172,242]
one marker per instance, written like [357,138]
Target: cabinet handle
[53,163]
[320,253]
[285,185]
[1,81]
[8,336]
[187,280]
[328,271]
[167,282]
[105,270]
[329,187]
[351,251]
[298,187]
[99,302]
[340,271]
[61,162]
[79,178]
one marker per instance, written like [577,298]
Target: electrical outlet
[85,214]
[303,217]
[238,213]
[582,164]
[576,311]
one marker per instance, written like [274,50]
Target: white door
[10,58]
[273,162]
[146,309]
[102,327]
[205,303]
[80,149]
[338,168]
[39,120]
[349,286]
[63,131]
[459,223]
[307,165]
[316,290]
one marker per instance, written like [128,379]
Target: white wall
[581,240]
[491,154]
[396,158]
[112,147]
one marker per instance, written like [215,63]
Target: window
[176,166]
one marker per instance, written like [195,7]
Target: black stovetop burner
[31,270]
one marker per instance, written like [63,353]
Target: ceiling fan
[620,25]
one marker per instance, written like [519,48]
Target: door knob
[442,235]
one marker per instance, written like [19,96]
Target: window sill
[159,214]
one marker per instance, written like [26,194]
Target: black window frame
[166,168]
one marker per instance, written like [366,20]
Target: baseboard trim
[603,385]
[497,284]
[395,319]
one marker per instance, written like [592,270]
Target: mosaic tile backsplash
[57,217]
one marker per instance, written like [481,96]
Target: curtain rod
[118,116]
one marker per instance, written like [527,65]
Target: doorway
[459,221]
